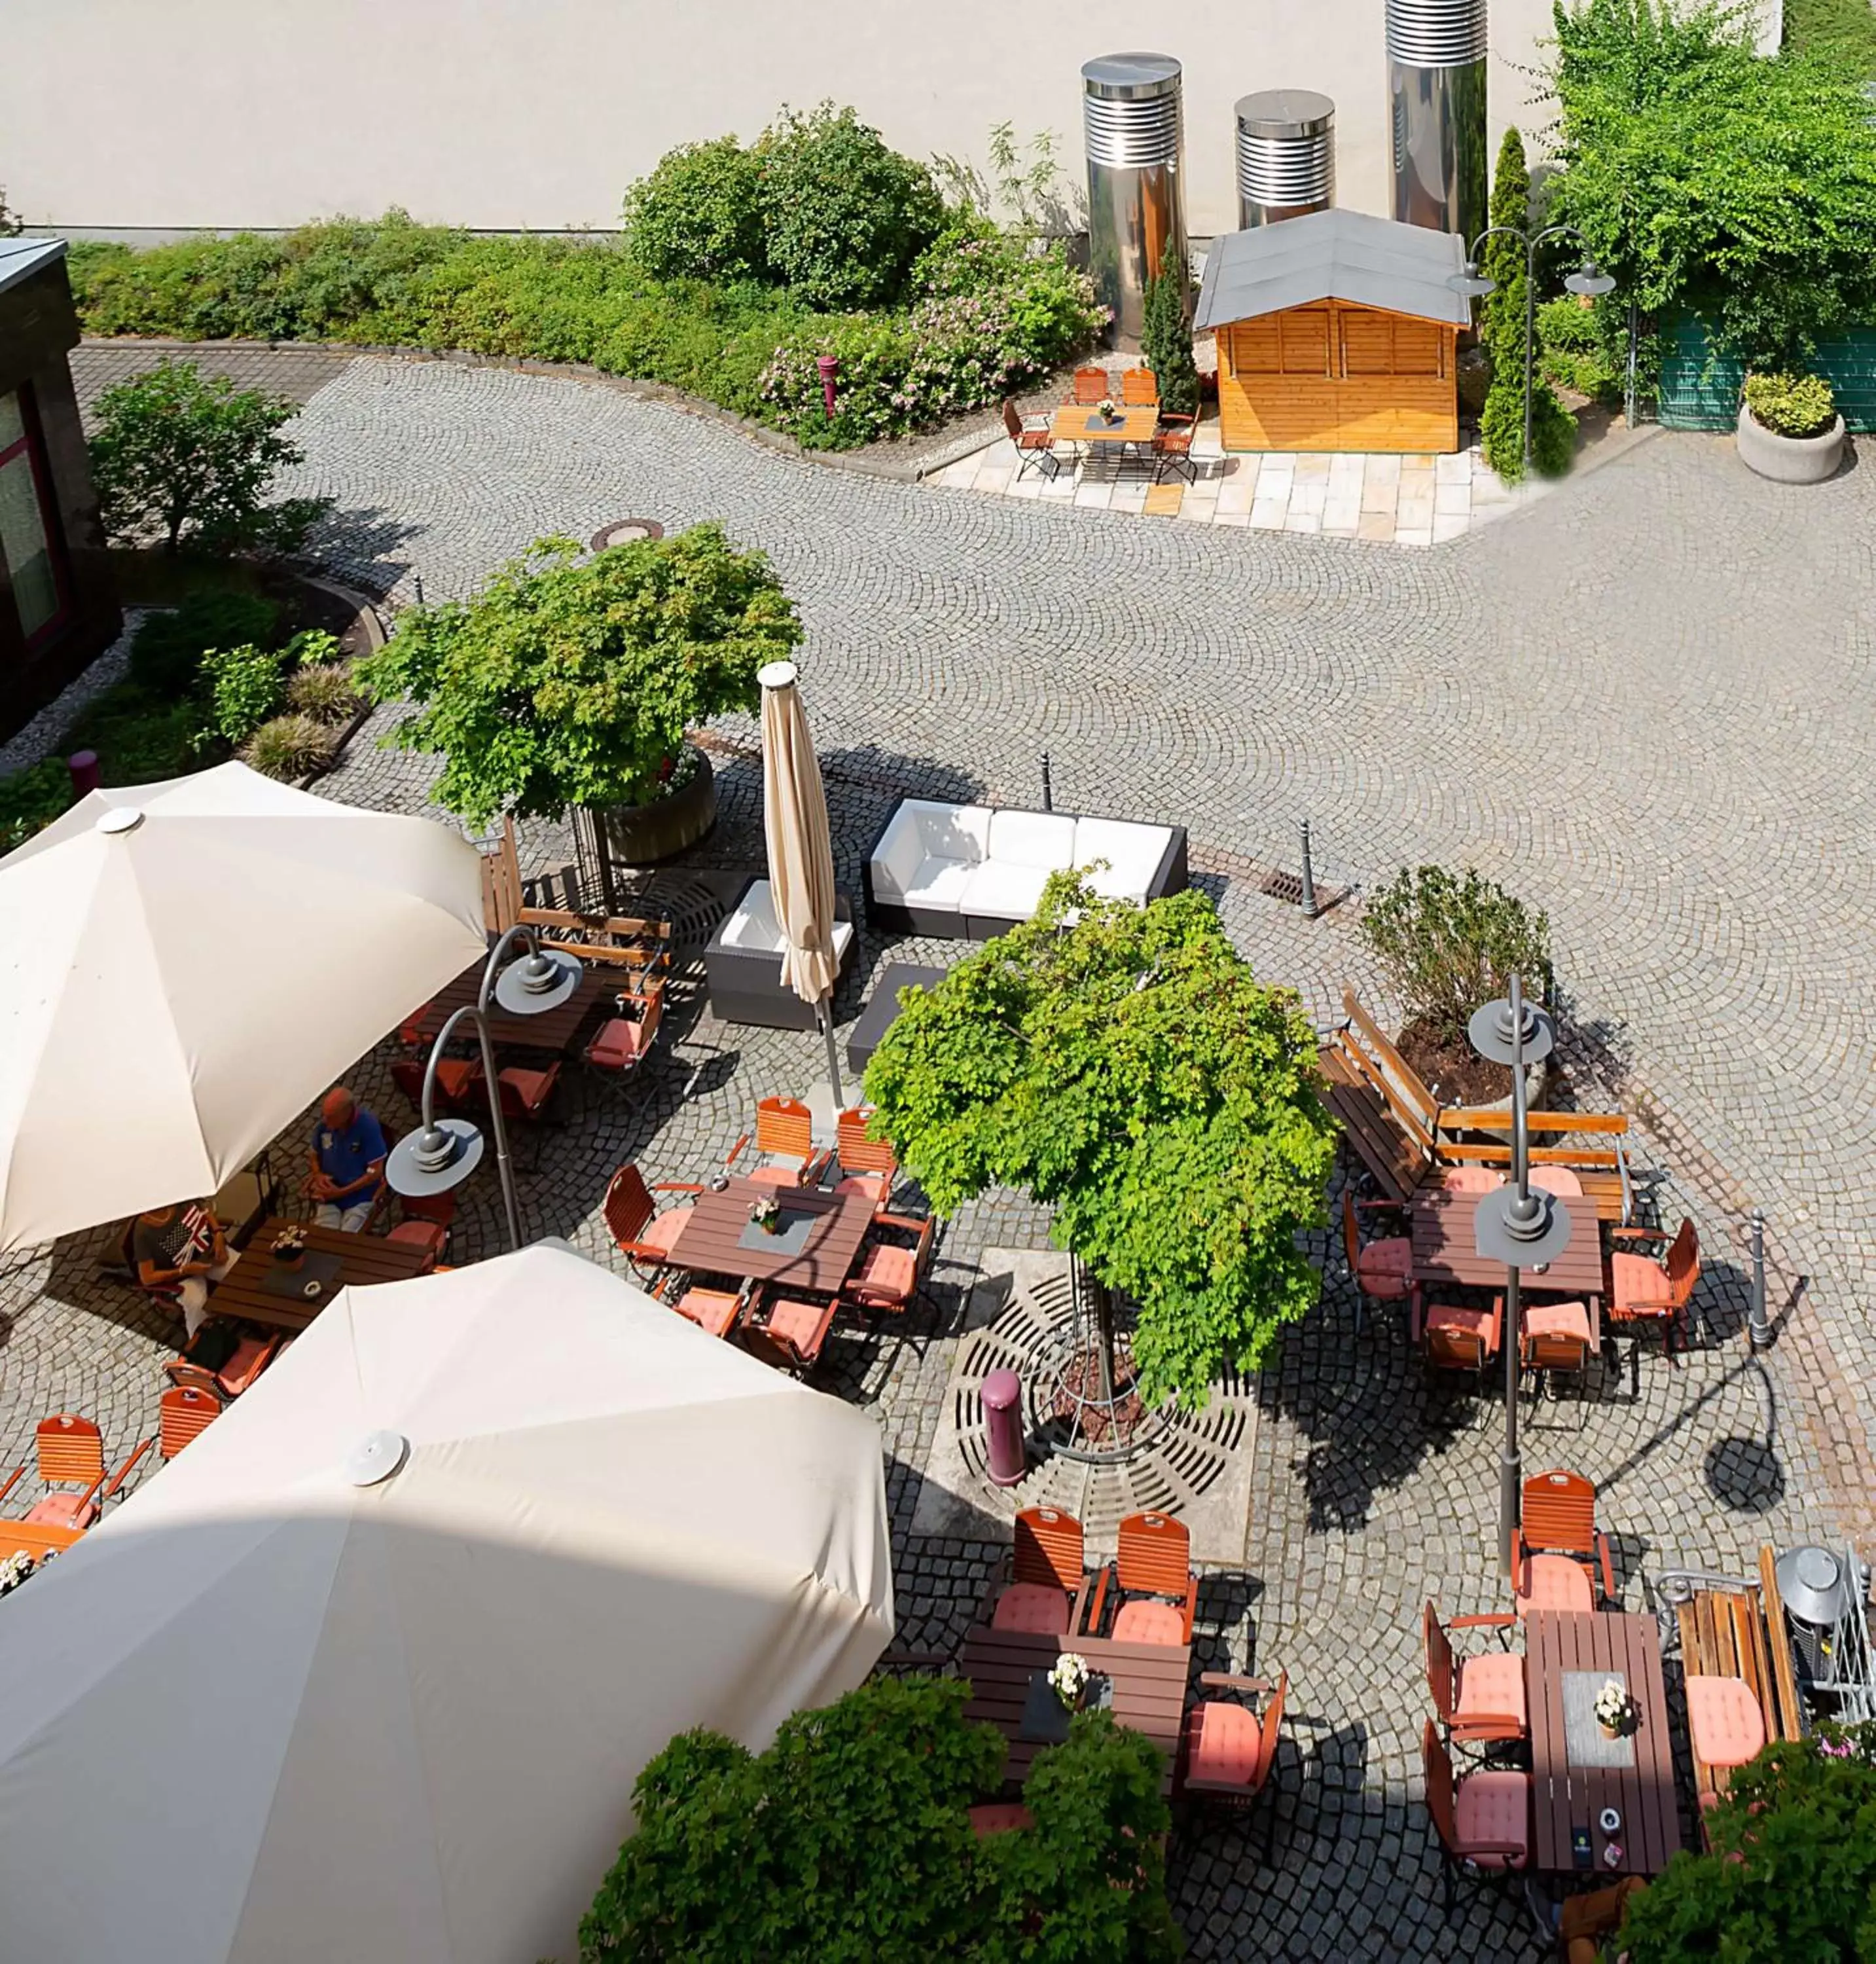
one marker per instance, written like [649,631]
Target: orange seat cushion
[804,1324]
[662,1231]
[1558,1319]
[713,1310]
[424,1234]
[1724,1718]
[62,1510]
[1032,1607]
[251,1354]
[889,1272]
[456,1077]
[1457,1320]
[875,1186]
[1385,1267]
[1227,1747]
[620,1044]
[1640,1284]
[772,1176]
[999,1818]
[1144,1622]
[1493,1686]
[1494,1807]
[1555,1582]
[530,1086]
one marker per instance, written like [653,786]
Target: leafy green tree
[1167,343]
[571,679]
[699,214]
[1790,1875]
[845,215]
[849,1840]
[1708,178]
[1123,1065]
[190,456]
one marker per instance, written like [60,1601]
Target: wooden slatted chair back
[784,1129]
[70,1451]
[1139,389]
[1155,1555]
[628,1206]
[1450,1349]
[858,1153]
[1091,385]
[1271,1729]
[1559,1515]
[1550,1350]
[1683,1264]
[183,1412]
[1439,1664]
[1049,1549]
[1351,1234]
[1438,1768]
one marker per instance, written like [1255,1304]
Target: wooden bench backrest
[70,1451]
[1049,1549]
[1559,1513]
[1155,1555]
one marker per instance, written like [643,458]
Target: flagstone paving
[1644,703]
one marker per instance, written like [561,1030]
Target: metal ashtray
[1610,1820]
[313,1291]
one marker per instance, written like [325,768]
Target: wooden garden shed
[1336,331]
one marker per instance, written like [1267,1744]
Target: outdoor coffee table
[1439,1223]
[1576,1773]
[1081,423]
[883,1011]
[819,1240]
[362,1259]
[1146,1687]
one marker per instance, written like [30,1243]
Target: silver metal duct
[1134,128]
[1436,52]
[1286,154]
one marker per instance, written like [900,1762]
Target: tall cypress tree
[1502,329]
[1166,343]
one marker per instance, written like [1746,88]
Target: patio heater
[1436,84]
[1285,155]
[442,1153]
[1516,1224]
[1133,127]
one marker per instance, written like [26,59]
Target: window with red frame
[29,522]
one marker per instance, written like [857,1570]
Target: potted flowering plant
[1069,1679]
[766,1213]
[1108,411]
[1614,1710]
[13,1569]
[289,1245]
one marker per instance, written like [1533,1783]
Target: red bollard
[83,765]
[1003,1428]
[829,366]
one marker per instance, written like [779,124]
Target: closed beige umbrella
[800,857]
[185,966]
[368,1672]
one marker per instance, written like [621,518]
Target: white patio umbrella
[369,1669]
[184,966]
[801,855]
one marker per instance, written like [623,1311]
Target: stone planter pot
[623,837]
[1789,460]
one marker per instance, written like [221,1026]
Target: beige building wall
[125,114]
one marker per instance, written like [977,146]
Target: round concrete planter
[1789,460]
[641,834]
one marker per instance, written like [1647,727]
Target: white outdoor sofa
[971,872]
[743,964]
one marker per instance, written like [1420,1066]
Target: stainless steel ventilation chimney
[1136,140]
[1286,154]
[1436,52]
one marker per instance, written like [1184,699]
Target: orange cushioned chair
[1383,1270]
[1480,1700]
[1455,1336]
[1642,1294]
[867,1166]
[623,1043]
[784,1134]
[792,1335]
[714,1311]
[1228,1749]
[1557,1338]
[1152,1572]
[1557,1548]
[889,1275]
[1050,1581]
[1139,389]
[1091,386]
[1725,1720]
[1035,442]
[458,1084]
[182,1412]
[647,1239]
[1483,1820]
[71,1453]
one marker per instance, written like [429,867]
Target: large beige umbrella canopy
[368,1672]
[800,857]
[183,966]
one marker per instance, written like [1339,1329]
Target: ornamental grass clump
[290,747]
[1793,406]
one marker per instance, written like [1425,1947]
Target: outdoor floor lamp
[1588,281]
[1516,1224]
[444,1152]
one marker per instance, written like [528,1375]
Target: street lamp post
[441,1153]
[1515,1223]
[1588,280]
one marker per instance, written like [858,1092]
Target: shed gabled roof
[1343,255]
[19,257]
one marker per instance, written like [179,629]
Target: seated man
[347,1161]
[182,1250]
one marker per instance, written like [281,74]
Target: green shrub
[31,799]
[1584,347]
[1449,943]
[1844,30]
[288,747]
[1795,405]
[166,654]
[844,215]
[244,687]
[141,734]
[1166,343]
[325,691]
[1501,431]
[699,215]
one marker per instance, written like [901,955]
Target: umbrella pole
[825,1011]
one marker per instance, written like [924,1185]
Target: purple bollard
[829,366]
[83,765]
[1003,1427]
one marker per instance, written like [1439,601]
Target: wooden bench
[1730,1633]
[642,946]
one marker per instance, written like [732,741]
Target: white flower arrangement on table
[1612,1706]
[1070,1678]
[1107,412]
[13,1569]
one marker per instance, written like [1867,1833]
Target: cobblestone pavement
[1644,703]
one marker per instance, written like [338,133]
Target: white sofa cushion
[938,885]
[998,890]
[922,830]
[1036,838]
[753,928]
[1133,853]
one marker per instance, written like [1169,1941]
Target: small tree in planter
[1166,343]
[1447,943]
[1124,1066]
[571,679]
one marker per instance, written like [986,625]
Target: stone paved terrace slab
[1644,703]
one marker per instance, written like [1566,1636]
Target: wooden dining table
[820,1239]
[1132,428]
[1148,1684]
[1576,1773]
[1439,1224]
[37,1538]
[363,1258]
[554,1030]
